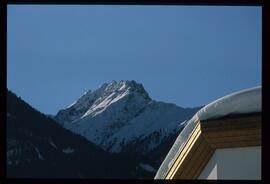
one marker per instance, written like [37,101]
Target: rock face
[121,117]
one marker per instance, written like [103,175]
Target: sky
[187,55]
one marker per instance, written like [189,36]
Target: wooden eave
[209,135]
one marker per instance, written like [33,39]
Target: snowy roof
[242,102]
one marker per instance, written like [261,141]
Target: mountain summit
[94,102]
[120,116]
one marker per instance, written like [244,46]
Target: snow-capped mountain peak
[121,112]
[99,99]
[121,86]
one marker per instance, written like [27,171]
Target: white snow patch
[123,86]
[68,150]
[53,145]
[183,123]
[147,167]
[37,151]
[71,104]
[85,95]
[119,97]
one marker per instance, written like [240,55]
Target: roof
[242,102]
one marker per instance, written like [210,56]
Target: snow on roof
[241,102]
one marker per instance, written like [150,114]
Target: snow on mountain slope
[147,167]
[120,113]
[93,103]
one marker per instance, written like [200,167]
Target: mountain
[38,147]
[115,131]
[120,117]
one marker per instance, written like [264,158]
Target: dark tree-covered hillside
[38,147]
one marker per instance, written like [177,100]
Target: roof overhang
[209,135]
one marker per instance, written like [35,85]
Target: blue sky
[187,55]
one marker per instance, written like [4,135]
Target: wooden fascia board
[210,135]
